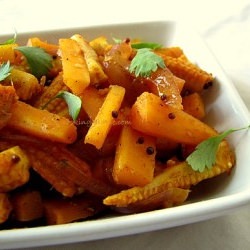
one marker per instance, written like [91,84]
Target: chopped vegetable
[134,161]
[94,67]
[98,131]
[14,169]
[7,99]
[75,71]
[42,123]
[47,101]
[86,125]
[26,85]
[27,205]
[152,116]
[50,48]
[177,175]
[5,207]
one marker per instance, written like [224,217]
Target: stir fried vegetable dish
[91,126]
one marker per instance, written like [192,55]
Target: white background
[225,27]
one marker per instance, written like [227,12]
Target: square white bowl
[210,199]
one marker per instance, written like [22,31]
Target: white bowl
[214,197]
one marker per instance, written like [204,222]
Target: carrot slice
[75,70]
[42,124]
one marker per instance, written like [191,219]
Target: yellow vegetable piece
[170,51]
[100,45]
[194,105]
[92,100]
[100,127]
[27,205]
[152,116]
[42,123]
[7,99]
[48,47]
[61,211]
[75,70]
[58,105]
[167,198]
[135,158]
[14,169]
[96,72]
[196,79]
[180,175]
[25,84]
[5,207]
[7,52]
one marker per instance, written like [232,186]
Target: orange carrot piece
[134,159]
[42,124]
[75,71]
[7,98]
[7,52]
[48,47]
[152,116]
[194,105]
[61,211]
[102,124]
[27,205]
[5,207]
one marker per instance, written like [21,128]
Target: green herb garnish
[74,103]
[39,61]
[5,69]
[204,155]
[9,41]
[145,62]
[117,40]
[146,45]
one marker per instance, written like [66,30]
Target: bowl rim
[156,220]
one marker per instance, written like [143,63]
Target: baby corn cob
[96,72]
[58,105]
[67,173]
[170,51]
[51,169]
[25,84]
[195,78]
[100,45]
[7,98]
[180,175]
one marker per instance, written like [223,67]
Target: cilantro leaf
[146,45]
[204,155]
[117,40]
[145,62]
[5,69]
[39,61]
[10,40]
[74,103]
